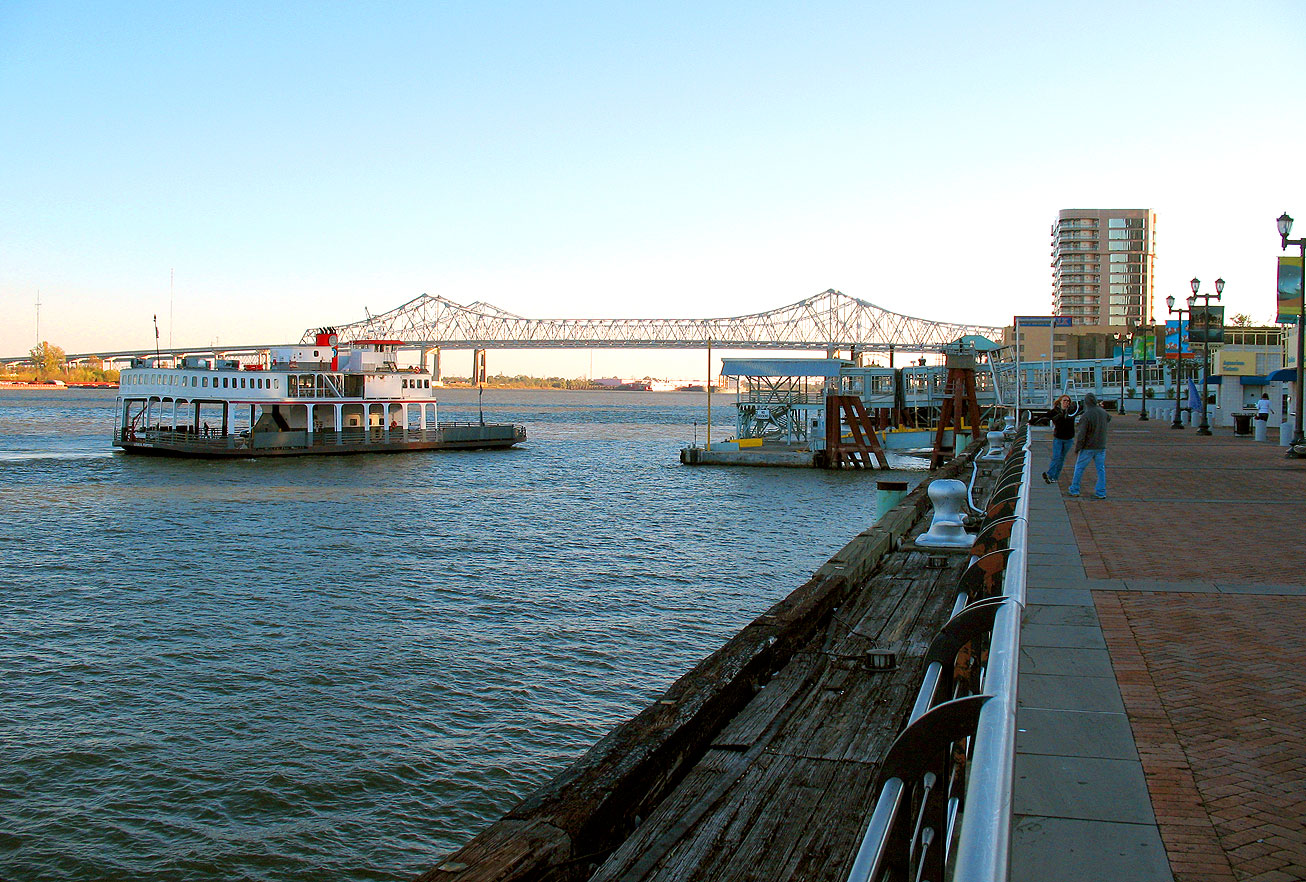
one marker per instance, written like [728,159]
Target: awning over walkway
[1282,375]
[978,343]
[783,367]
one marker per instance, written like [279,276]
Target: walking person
[1062,416]
[1090,446]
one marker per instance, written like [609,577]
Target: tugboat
[324,398]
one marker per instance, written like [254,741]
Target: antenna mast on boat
[171,278]
[156,337]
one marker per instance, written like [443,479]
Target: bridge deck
[1162,691]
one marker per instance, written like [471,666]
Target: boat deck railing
[243,439]
[944,805]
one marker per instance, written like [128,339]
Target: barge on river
[323,398]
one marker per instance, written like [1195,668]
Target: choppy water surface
[342,667]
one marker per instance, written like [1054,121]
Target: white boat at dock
[319,398]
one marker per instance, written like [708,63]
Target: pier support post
[478,366]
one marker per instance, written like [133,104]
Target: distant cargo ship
[325,398]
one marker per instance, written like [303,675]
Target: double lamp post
[1204,428]
[1285,227]
[1178,357]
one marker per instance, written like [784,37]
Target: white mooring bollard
[996,451]
[947,528]
[1260,429]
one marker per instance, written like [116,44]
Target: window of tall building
[1116,223]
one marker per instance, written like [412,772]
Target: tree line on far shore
[521,381]
[49,363]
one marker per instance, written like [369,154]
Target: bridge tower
[432,353]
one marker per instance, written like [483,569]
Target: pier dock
[1160,720]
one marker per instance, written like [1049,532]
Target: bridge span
[830,321]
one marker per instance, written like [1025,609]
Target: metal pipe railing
[983,824]
[984,843]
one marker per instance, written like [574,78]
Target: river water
[342,667]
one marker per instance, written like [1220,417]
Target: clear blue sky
[295,163]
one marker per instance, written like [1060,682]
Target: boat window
[205,382]
[276,383]
[242,382]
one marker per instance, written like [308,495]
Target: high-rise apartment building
[1102,265]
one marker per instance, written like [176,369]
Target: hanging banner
[1145,348]
[1289,290]
[1206,325]
[1176,339]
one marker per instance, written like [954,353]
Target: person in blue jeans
[1090,446]
[1062,416]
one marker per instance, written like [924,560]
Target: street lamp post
[1205,427]
[1285,227]
[1142,381]
[1178,357]
[1120,341]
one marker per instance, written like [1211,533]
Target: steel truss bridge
[830,320]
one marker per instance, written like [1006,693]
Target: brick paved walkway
[1207,639]
[1183,507]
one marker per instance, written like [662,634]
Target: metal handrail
[984,841]
[984,834]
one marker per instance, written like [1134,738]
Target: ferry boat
[323,398]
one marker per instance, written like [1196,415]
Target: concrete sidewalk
[1163,679]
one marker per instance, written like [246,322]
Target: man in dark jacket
[1062,417]
[1090,445]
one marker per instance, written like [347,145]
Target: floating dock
[768,453]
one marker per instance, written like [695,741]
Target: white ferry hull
[456,436]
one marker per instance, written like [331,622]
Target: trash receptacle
[1242,423]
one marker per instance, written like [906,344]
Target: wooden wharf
[1161,715]
[762,762]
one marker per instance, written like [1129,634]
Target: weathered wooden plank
[827,719]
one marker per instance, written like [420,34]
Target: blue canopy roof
[783,367]
[1282,375]
[978,343]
